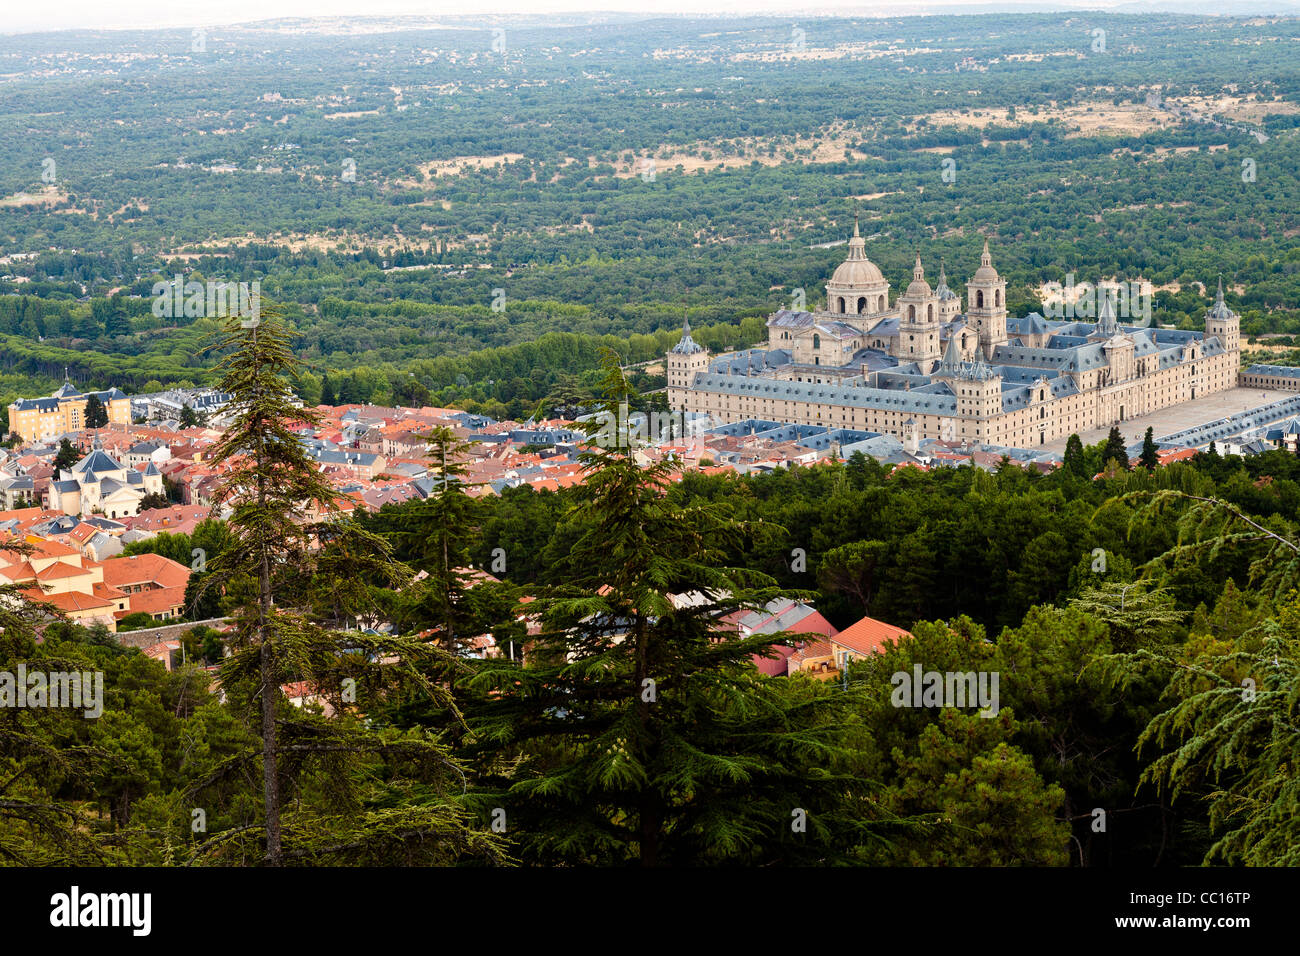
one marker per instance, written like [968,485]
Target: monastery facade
[920,366]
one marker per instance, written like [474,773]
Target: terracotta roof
[70,600]
[154,601]
[47,548]
[813,649]
[107,592]
[60,570]
[145,569]
[22,571]
[868,636]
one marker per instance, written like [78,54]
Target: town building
[100,484]
[40,419]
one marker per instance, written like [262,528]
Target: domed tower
[857,287]
[918,321]
[1223,323]
[686,359]
[949,301]
[986,304]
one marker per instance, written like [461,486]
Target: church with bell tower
[921,365]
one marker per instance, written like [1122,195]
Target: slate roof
[854,397]
[1080,358]
[1277,371]
[96,462]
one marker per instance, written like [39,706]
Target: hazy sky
[136,14]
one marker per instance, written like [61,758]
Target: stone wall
[147,637]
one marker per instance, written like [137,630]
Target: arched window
[817,341]
[911,312]
[997,298]
[862,305]
[841,304]
[880,304]
[979,299]
[929,312]
[963,341]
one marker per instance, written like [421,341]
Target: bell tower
[986,304]
[1222,323]
[685,360]
[918,322]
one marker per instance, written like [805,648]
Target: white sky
[158,14]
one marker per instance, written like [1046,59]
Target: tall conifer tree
[330,783]
[639,729]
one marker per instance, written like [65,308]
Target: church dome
[986,272]
[918,288]
[857,270]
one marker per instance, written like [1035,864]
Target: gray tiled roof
[859,397]
[1080,358]
[97,461]
[786,319]
[1277,371]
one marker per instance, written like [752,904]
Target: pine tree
[1115,449]
[639,729]
[116,321]
[68,455]
[435,533]
[96,413]
[1230,736]
[1075,463]
[337,787]
[327,392]
[1150,459]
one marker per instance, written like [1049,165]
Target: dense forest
[423,203]
[1144,623]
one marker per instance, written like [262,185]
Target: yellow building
[39,419]
[57,574]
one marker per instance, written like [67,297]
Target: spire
[1220,308]
[918,273]
[686,345]
[857,245]
[986,273]
[1106,324]
[951,358]
[943,275]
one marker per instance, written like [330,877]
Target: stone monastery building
[921,367]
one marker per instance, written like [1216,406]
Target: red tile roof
[868,636]
[145,569]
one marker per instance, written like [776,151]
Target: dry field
[1085,119]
